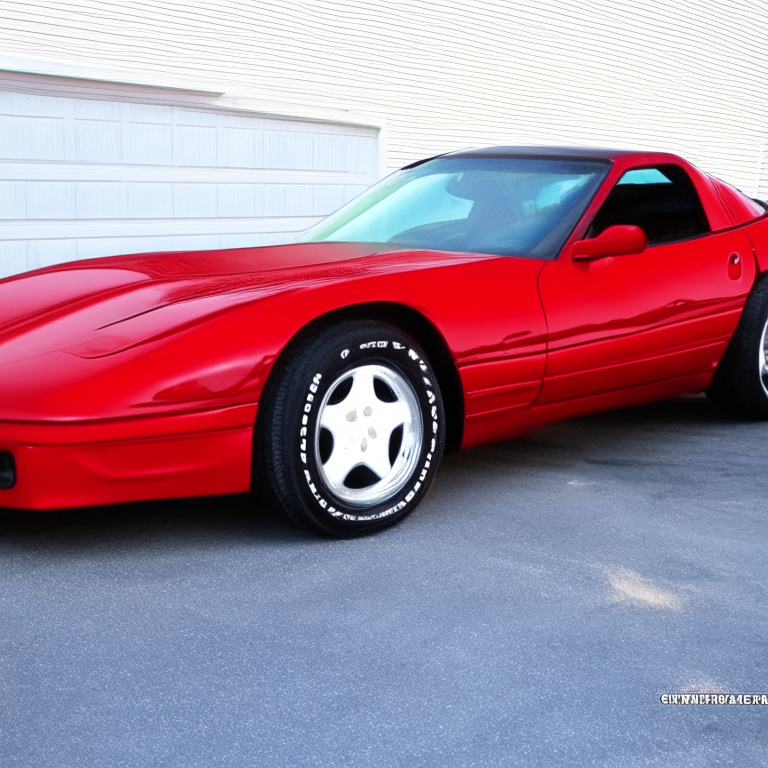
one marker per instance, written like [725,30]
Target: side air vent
[7,470]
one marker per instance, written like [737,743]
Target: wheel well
[426,334]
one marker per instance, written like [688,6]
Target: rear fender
[758,235]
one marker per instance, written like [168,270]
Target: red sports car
[463,299]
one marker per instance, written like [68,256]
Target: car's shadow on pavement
[205,522]
[623,435]
[221,520]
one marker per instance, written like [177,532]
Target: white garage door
[103,171]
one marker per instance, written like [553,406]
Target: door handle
[734,266]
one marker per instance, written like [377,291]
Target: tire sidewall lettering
[400,356]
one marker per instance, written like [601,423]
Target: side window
[662,201]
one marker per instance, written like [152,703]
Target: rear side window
[662,201]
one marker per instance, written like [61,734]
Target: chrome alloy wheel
[763,358]
[369,435]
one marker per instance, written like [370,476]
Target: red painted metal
[758,236]
[740,208]
[619,240]
[666,312]
[138,377]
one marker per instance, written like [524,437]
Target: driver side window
[662,201]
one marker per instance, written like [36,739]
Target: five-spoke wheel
[369,434]
[350,429]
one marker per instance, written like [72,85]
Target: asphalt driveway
[531,612]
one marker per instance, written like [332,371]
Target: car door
[621,322]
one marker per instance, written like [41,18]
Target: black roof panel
[591,153]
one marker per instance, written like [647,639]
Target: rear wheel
[740,384]
[351,429]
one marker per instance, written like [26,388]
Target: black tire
[292,452]
[739,385]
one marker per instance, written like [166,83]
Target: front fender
[216,351]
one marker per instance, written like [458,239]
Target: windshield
[503,206]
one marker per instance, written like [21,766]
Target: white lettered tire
[351,429]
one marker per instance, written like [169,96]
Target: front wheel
[351,429]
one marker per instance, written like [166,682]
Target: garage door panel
[90,177]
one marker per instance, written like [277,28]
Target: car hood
[63,329]
[102,306]
[44,291]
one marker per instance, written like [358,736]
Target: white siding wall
[104,174]
[678,75]
[85,177]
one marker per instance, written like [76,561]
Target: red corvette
[463,299]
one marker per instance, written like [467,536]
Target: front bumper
[74,464]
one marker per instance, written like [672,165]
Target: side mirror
[619,240]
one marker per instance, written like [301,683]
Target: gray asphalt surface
[530,613]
